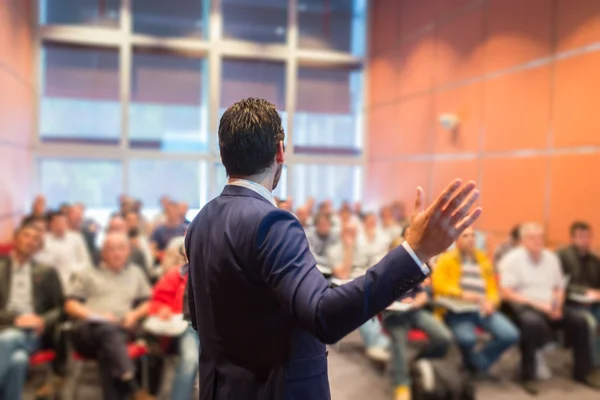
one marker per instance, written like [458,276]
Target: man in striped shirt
[466,275]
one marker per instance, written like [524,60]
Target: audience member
[86,227]
[465,273]
[583,269]
[399,212]
[389,225]
[38,207]
[139,240]
[117,224]
[347,259]
[321,238]
[373,241]
[398,325]
[174,254]
[183,210]
[172,227]
[532,281]
[285,205]
[511,242]
[31,300]
[107,304]
[63,249]
[168,301]
[303,216]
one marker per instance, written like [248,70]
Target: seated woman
[168,299]
[399,323]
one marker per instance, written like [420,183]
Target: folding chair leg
[75,380]
[144,365]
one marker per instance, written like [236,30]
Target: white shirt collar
[255,187]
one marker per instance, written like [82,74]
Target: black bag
[440,380]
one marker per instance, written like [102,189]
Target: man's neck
[581,251]
[20,258]
[264,180]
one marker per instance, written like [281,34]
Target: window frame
[215,49]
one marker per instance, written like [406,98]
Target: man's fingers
[459,198]
[468,220]
[464,208]
[445,196]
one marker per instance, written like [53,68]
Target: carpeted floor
[353,377]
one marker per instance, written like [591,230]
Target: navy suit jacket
[262,309]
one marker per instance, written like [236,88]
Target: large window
[332,25]
[263,21]
[328,115]
[170,17]
[338,183]
[80,95]
[168,111]
[97,183]
[104,13]
[183,181]
[131,93]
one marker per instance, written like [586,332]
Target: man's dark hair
[249,132]
[579,226]
[50,215]
[515,233]
[31,220]
[320,216]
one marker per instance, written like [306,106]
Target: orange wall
[17,100]
[524,78]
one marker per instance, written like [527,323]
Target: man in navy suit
[262,309]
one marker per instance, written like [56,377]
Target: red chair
[5,248]
[136,350]
[43,358]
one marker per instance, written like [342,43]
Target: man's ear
[279,156]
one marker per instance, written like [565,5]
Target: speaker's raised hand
[434,229]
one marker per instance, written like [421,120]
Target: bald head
[115,250]
[117,225]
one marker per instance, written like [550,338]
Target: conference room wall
[522,77]
[17,100]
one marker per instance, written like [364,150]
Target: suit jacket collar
[236,191]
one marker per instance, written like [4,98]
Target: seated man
[320,239]
[173,226]
[583,268]
[532,281]
[465,273]
[107,304]
[348,260]
[398,325]
[373,241]
[168,299]
[31,300]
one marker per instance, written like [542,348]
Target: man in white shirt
[347,259]
[63,249]
[533,282]
[373,241]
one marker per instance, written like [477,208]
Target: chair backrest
[5,248]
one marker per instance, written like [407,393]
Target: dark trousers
[106,343]
[536,331]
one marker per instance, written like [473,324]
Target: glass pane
[263,21]
[150,179]
[328,117]
[337,183]
[103,13]
[332,25]
[261,79]
[174,18]
[221,180]
[96,183]
[168,110]
[80,95]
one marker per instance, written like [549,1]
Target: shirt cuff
[424,268]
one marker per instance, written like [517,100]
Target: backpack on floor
[440,380]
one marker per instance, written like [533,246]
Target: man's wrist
[418,260]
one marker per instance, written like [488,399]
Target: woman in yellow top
[465,277]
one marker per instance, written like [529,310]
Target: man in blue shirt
[262,309]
